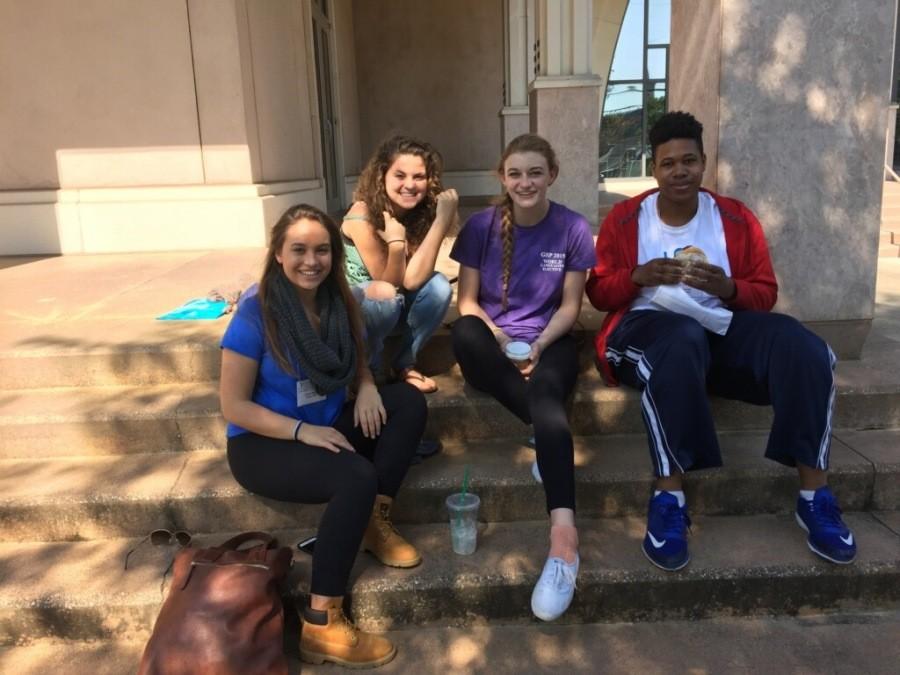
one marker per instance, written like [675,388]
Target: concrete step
[864,642]
[185,416]
[165,353]
[741,565]
[83,498]
[105,345]
[106,332]
[167,357]
[115,341]
[110,420]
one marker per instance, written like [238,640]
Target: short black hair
[675,124]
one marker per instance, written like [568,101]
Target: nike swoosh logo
[659,544]
[848,540]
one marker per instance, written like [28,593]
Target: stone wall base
[846,337]
[566,115]
[116,220]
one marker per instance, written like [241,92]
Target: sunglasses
[167,538]
[162,537]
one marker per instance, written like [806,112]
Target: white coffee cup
[519,353]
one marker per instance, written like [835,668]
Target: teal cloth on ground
[198,309]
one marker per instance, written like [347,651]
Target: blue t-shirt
[275,389]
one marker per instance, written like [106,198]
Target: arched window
[636,90]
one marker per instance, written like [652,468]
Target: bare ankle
[669,483]
[564,542]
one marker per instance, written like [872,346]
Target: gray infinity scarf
[328,359]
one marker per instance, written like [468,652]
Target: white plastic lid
[518,350]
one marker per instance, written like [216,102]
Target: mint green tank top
[354,267]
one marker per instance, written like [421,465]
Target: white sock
[808,494]
[678,494]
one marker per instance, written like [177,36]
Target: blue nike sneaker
[828,536]
[665,543]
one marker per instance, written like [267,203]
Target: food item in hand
[690,254]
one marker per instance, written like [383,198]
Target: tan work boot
[384,542]
[327,635]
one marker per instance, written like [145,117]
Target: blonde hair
[523,143]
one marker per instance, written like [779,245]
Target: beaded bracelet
[297,429]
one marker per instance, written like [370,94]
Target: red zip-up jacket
[610,288]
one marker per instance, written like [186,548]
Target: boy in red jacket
[686,278]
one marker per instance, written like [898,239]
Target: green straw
[465,489]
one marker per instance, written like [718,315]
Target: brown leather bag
[223,613]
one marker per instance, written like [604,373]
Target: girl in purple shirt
[522,274]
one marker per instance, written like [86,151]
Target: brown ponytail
[507,233]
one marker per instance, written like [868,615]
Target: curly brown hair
[371,191]
[523,143]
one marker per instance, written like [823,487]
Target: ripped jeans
[413,315]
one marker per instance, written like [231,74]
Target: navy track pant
[764,359]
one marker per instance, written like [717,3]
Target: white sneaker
[554,590]
[536,472]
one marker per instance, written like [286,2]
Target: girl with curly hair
[393,233]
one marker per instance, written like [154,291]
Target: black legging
[539,401]
[347,481]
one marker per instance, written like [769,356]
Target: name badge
[307,394]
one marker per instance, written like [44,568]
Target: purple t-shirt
[542,254]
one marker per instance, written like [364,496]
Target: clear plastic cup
[519,353]
[463,510]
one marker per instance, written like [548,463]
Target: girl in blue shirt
[307,423]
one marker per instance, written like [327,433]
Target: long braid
[507,233]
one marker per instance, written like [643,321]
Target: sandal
[426,448]
[421,382]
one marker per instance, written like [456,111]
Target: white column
[514,114]
[564,99]
[563,31]
[517,53]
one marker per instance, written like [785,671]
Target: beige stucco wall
[95,94]
[284,82]
[433,70]
[226,107]
[347,103]
[102,94]
[137,126]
